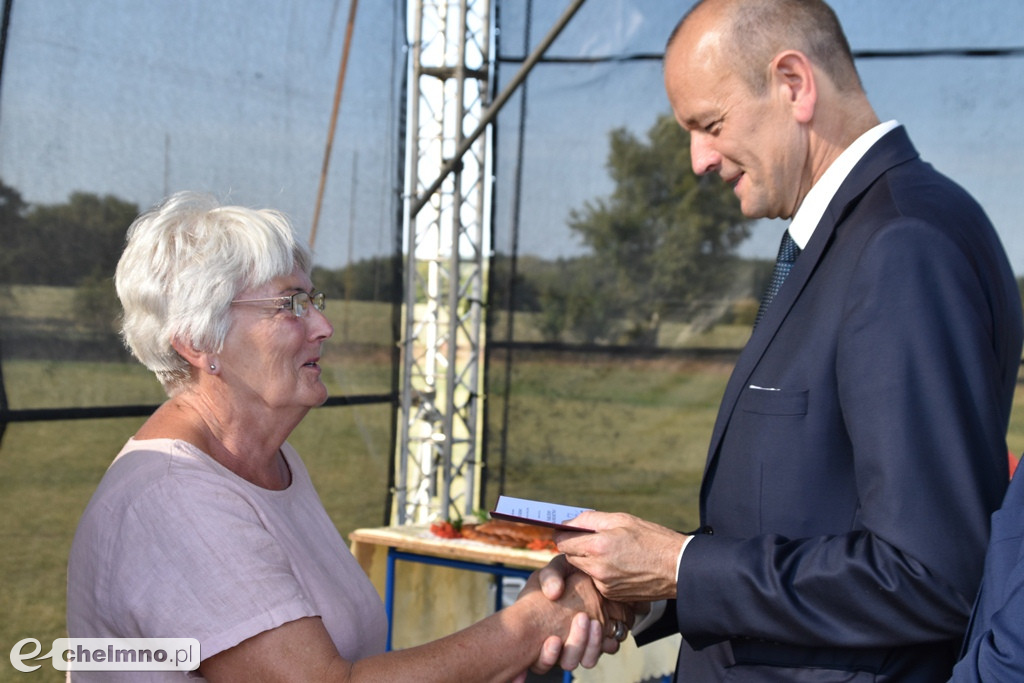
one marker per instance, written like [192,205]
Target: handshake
[609,572]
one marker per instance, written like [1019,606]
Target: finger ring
[620,631]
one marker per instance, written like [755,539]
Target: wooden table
[418,539]
[416,544]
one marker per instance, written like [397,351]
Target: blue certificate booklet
[537,512]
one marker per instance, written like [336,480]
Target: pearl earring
[212,366]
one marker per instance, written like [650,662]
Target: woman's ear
[793,78]
[205,362]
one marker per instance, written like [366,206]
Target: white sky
[137,99]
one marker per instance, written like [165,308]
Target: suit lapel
[893,149]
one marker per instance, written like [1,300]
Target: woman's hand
[599,626]
[581,648]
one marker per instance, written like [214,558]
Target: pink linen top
[175,545]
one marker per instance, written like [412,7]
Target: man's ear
[793,78]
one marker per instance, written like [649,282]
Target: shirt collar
[817,200]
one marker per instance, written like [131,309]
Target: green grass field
[609,434]
[600,432]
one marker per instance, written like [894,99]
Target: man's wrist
[658,606]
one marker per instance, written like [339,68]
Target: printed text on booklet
[536,512]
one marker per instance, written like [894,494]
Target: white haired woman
[207,526]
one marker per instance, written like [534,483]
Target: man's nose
[703,157]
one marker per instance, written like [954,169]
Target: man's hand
[629,559]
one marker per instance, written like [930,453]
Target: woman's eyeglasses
[298,303]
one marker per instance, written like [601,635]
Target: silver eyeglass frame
[293,303]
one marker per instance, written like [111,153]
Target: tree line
[660,247]
[64,244]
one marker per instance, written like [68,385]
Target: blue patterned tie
[788,251]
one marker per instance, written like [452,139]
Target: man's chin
[752,212]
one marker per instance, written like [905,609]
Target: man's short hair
[760,29]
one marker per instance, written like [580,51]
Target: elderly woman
[207,526]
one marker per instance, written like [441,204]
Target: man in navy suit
[860,445]
[994,647]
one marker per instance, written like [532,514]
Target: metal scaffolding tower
[447,190]
[447,245]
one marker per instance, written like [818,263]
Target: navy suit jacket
[860,445]
[994,647]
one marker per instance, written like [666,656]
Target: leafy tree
[570,297]
[516,291]
[665,238]
[372,279]
[85,236]
[65,244]
[591,315]
[12,232]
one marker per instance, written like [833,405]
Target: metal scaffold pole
[446,250]
[447,246]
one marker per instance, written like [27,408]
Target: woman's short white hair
[183,263]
